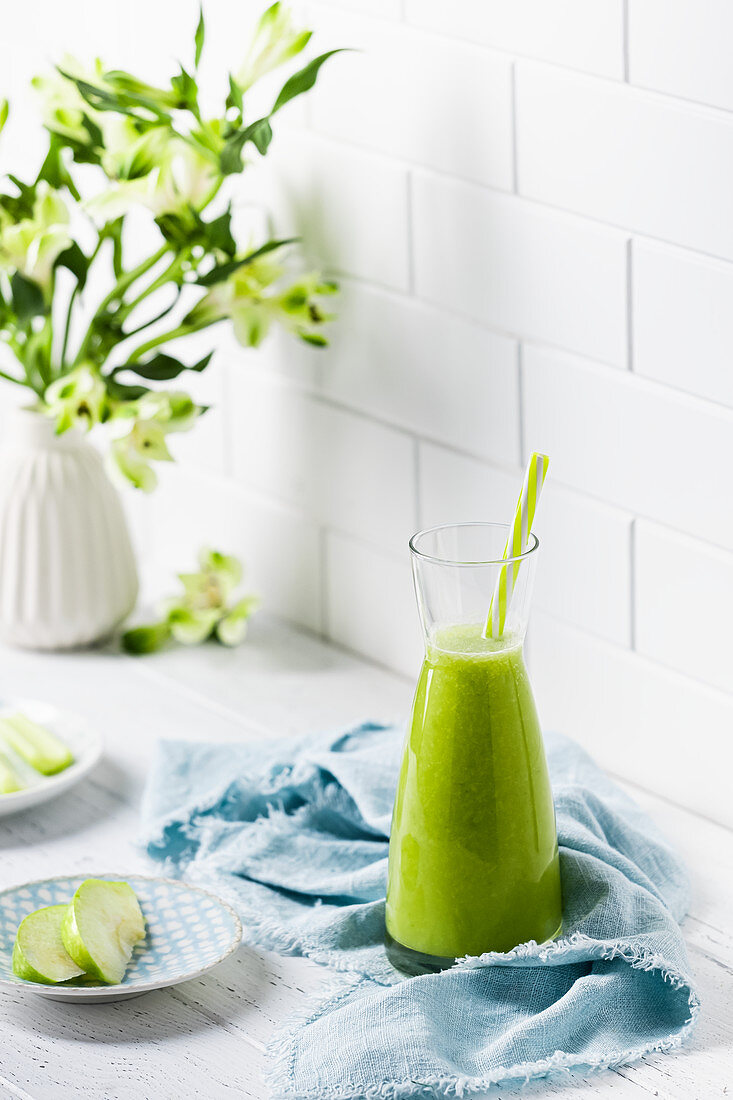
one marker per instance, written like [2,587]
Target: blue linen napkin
[294,834]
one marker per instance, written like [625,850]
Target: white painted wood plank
[283,682]
[206,1038]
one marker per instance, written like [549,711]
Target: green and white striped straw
[516,544]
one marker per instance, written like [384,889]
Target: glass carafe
[473,860]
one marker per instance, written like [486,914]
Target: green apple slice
[9,779]
[101,928]
[36,745]
[39,954]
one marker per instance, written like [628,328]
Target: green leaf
[302,81]
[113,230]
[202,365]
[186,89]
[98,98]
[199,37]
[259,133]
[146,639]
[75,261]
[223,271]
[132,92]
[118,391]
[54,171]
[95,133]
[234,99]
[220,233]
[162,367]
[28,300]
[314,338]
[4,109]
[125,94]
[21,205]
[174,228]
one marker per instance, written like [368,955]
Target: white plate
[85,745]
[188,932]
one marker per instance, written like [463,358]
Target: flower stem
[67,327]
[166,276]
[116,292]
[165,337]
[72,302]
[18,381]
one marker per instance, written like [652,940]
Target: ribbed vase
[67,569]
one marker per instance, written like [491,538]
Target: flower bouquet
[124,242]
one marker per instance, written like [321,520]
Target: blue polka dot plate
[188,932]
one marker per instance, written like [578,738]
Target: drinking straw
[516,543]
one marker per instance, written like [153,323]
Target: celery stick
[9,778]
[37,746]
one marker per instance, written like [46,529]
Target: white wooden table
[206,1038]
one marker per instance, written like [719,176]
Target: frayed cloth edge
[282,1048]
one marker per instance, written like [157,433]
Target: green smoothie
[473,861]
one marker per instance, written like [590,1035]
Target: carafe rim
[434,559]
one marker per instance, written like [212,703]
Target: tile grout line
[520,398]
[418,483]
[615,228]
[655,663]
[630,305]
[514,54]
[410,234]
[515,141]
[294,508]
[632,584]
[625,33]
[324,606]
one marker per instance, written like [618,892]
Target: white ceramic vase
[67,570]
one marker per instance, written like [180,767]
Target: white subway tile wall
[528,206]
[394,100]
[680,47]
[568,32]
[519,267]
[646,162]
[683,323]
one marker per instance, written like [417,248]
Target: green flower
[132,454]
[32,245]
[174,410]
[300,311]
[191,627]
[79,400]
[247,297]
[114,134]
[63,107]
[156,170]
[155,414]
[275,41]
[128,152]
[232,628]
[202,611]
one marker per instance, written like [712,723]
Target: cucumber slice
[38,746]
[102,926]
[39,954]
[9,778]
